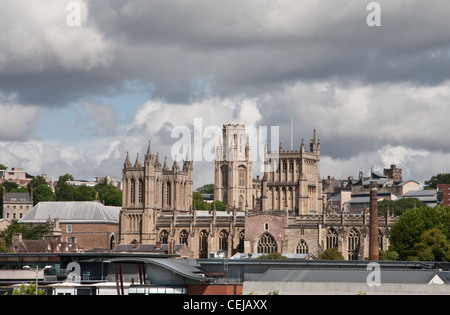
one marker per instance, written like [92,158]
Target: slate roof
[72,212]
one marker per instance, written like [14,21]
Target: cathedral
[281,212]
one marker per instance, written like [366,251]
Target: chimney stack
[373,228]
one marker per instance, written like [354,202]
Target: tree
[206,189]
[109,194]
[85,193]
[407,231]
[28,290]
[3,247]
[42,193]
[64,191]
[399,206]
[331,254]
[433,245]
[438,179]
[272,256]
[29,231]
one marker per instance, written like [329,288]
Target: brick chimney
[373,225]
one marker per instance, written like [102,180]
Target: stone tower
[151,190]
[233,181]
[292,180]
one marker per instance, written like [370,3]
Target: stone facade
[281,212]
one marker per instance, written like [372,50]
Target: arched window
[164,237]
[242,176]
[380,240]
[224,170]
[354,241]
[168,194]
[332,238]
[267,244]
[203,244]
[132,191]
[302,247]
[184,237]
[112,242]
[241,242]
[141,191]
[223,240]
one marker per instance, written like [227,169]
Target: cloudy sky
[74,99]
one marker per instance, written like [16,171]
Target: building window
[302,247]
[223,240]
[332,238]
[203,244]
[168,194]
[267,244]
[164,237]
[132,191]
[242,176]
[241,242]
[141,190]
[69,228]
[380,240]
[354,241]
[184,237]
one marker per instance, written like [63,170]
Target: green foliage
[388,255]
[64,191]
[201,204]
[206,189]
[438,179]
[433,245]
[28,290]
[331,254]
[3,247]
[42,193]
[408,230]
[398,206]
[272,256]
[29,232]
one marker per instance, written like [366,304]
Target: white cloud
[35,36]
[17,122]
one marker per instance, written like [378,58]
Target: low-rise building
[94,225]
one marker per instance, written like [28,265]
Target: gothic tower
[151,190]
[233,181]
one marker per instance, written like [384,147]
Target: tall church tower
[151,190]
[233,180]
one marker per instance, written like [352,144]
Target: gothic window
[354,241]
[267,244]
[133,191]
[380,240]
[168,194]
[164,237]
[242,176]
[302,247]
[241,242]
[332,238]
[141,191]
[112,242]
[224,171]
[223,240]
[203,244]
[184,237]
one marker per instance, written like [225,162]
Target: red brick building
[443,194]
[93,225]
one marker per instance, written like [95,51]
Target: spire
[157,162]
[127,161]
[165,167]
[138,162]
[175,164]
[148,156]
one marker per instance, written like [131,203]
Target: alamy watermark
[374,17]
[374,277]
[74,16]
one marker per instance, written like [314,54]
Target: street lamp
[37,270]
